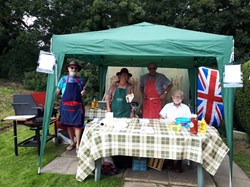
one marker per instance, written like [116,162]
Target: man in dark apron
[72,107]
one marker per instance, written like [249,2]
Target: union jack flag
[210,105]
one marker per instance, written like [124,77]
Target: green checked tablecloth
[148,138]
[95,113]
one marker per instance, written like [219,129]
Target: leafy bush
[242,101]
[35,81]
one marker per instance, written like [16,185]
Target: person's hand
[83,92]
[163,96]
[108,110]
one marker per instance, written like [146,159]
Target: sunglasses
[73,68]
[154,68]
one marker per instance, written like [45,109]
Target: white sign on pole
[46,62]
[232,76]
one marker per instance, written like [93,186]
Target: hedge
[242,101]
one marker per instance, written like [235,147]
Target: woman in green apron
[116,103]
[116,96]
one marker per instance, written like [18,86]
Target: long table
[150,138]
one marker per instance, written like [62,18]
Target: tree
[20,42]
[227,17]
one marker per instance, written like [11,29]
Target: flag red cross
[210,95]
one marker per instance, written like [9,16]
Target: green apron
[119,105]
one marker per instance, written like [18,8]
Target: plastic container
[139,164]
[183,121]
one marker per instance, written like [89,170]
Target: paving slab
[169,178]
[138,184]
[64,164]
[67,164]
[189,177]
[149,176]
[239,179]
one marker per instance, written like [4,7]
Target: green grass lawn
[242,158]
[21,170]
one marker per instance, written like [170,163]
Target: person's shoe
[178,168]
[170,164]
[70,147]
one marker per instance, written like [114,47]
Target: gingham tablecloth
[95,113]
[208,149]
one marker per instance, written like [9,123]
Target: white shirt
[171,111]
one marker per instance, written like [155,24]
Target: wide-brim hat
[74,63]
[124,70]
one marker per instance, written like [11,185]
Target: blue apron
[72,109]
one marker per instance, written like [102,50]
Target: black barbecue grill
[32,104]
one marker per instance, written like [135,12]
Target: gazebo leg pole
[200,175]
[98,169]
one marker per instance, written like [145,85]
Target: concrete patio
[67,164]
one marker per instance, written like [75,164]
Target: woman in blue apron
[72,108]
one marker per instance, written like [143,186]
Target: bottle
[96,103]
[194,124]
[93,104]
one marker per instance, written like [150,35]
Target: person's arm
[163,112]
[108,106]
[161,117]
[59,87]
[166,91]
[84,85]
[58,91]
[168,88]
[109,97]
[142,86]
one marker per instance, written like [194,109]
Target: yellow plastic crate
[156,163]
